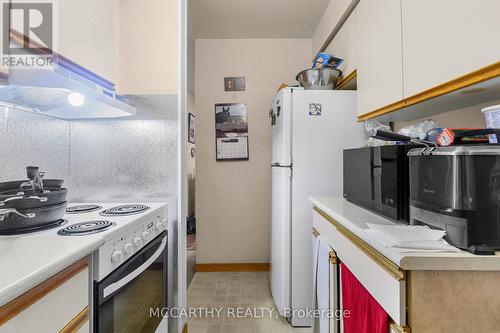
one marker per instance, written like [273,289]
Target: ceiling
[256,18]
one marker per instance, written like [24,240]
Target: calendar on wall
[231,131]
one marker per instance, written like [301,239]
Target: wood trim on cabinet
[344,80]
[409,299]
[16,306]
[74,325]
[236,267]
[400,329]
[480,75]
[385,263]
[333,257]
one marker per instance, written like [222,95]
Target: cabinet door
[343,45]
[55,310]
[379,54]
[87,31]
[147,62]
[445,39]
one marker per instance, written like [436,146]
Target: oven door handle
[119,284]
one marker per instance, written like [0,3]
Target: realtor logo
[31,24]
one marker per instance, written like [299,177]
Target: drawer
[384,280]
[52,312]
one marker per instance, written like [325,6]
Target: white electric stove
[124,231]
[130,269]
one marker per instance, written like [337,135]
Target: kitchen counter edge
[354,218]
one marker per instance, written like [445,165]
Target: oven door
[123,299]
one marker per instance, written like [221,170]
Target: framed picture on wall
[231,131]
[191,128]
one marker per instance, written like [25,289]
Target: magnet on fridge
[314,109]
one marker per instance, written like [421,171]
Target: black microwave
[377,178]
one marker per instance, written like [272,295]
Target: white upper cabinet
[87,34]
[147,53]
[343,45]
[379,54]
[445,39]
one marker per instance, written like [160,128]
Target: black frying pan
[16,184]
[12,220]
[20,200]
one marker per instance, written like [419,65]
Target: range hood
[49,90]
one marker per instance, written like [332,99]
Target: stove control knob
[159,226]
[116,256]
[145,234]
[128,248]
[137,241]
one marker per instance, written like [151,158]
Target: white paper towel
[405,238]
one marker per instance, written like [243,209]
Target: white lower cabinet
[386,284]
[435,300]
[60,310]
[388,289]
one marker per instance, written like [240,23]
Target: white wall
[233,198]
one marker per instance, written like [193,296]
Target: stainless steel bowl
[319,78]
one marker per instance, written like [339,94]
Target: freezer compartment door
[280,237]
[281,120]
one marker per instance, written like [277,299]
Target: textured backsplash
[32,139]
[99,160]
[123,159]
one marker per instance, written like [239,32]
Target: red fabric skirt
[365,314]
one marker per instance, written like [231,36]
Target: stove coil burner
[85,228]
[125,210]
[82,209]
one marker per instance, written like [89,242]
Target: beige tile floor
[229,292]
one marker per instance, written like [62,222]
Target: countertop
[26,261]
[355,219]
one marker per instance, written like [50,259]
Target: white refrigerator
[310,129]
